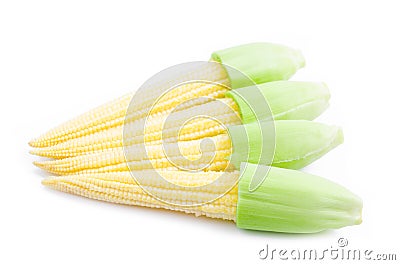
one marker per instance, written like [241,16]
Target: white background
[61,58]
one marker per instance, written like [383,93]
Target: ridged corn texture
[108,141]
[88,154]
[114,113]
[156,130]
[121,188]
[297,144]
[120,148]
[216,154]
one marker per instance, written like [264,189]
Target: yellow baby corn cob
[113,138]
[114,113]
[297,143]
[155,130]
[121,188]
[157,158]
[287,200]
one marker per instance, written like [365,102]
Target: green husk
[284,143]
[293,202]
[259,63]
[287,100]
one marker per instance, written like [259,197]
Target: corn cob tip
[40,164]
[50,167]
[32,143]
[39,142]
[47,152]
[49,181]
[35,152]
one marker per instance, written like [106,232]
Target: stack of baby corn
[222,138]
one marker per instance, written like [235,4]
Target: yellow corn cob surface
[115,113]
[112,138]
[186,156]
[121,188]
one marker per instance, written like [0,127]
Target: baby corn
[215,139]
[287,201]
[290,150]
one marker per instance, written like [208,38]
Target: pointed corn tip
[35,152]
[42,141]
[49,181]
[43,152]
[41,164]
[33,143]
[39,143]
